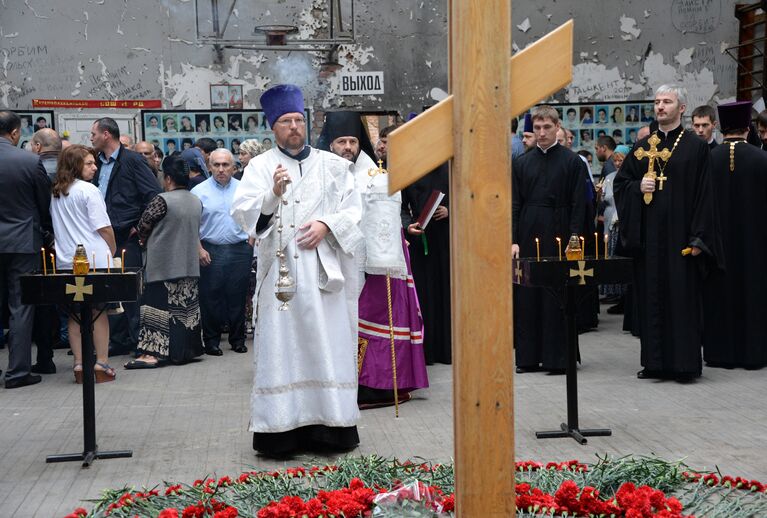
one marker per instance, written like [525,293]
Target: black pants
[20,316]
[224,291]
[123,328]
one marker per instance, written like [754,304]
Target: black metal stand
[90,450]
[571,428]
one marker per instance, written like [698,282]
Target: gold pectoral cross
[582,272]
[652,154]
[79,289]
[373,172]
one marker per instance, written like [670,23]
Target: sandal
[78,373]
[105,374]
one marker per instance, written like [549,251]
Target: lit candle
[583,247]
[559,248]
[538,249]
[109,262]
[607,238]
[45,266]
[122,261]
[94,261]
[53,262]
[596,245]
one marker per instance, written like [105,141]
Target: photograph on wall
[225,97]
[589,121]
[176,130]
[32,121]
[219,97]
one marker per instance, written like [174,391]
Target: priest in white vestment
[305,378]
[390,322]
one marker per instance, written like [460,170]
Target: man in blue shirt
[225,258]
[127,184]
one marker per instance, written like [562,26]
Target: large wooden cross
[472,128]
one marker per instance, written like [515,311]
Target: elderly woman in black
[170,309]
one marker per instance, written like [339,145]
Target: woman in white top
[80,217]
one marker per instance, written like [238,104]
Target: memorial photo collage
[174,131]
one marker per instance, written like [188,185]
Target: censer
[285,288]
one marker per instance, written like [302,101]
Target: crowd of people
[368,306]
[348,294]
[683,206]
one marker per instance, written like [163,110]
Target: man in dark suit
[25,197]
[127,184]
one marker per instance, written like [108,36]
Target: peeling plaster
[629,26]
[594,81]
[525,25]
[684,57]
[191,86]
[700,84]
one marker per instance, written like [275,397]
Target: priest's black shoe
[616,309]
[523,370]
[242,348]
[214,351]
[29,379]
[557,372]
[646,374]
[44,368]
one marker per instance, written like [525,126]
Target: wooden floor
[183,423]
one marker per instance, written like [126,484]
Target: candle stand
[563,279]
[78,295]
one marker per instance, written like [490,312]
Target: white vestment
[306,357]
[381,221]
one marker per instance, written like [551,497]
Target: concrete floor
[186,422]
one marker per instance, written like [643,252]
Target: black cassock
[667,285]
[430,260]
[548,201]
[734,300]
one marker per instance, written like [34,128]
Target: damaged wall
[146,49]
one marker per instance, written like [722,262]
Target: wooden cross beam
[472,127]
[536,72]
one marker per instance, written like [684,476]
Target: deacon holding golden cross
[668,283]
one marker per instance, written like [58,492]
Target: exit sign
[362,83]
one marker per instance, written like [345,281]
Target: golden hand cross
[582,272]
[652,154]
[79,289]
[518,273]
[380,170]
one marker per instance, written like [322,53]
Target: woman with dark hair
[203,123]
[170,123]
[219,124]
[251,124]
[169,228]
[186,124]
[158,155]
[235,146]
[80,217]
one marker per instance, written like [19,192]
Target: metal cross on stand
[471,127]
[652,154]
[582,272]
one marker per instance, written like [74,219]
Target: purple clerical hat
[281,99]
[528,127]
[734,116]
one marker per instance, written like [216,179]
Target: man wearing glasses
[302,201]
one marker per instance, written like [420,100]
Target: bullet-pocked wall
[147,49]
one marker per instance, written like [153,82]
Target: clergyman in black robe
[548,202]
[734,300]
[681,215]
[430,260]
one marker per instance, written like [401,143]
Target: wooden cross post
[472,127]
